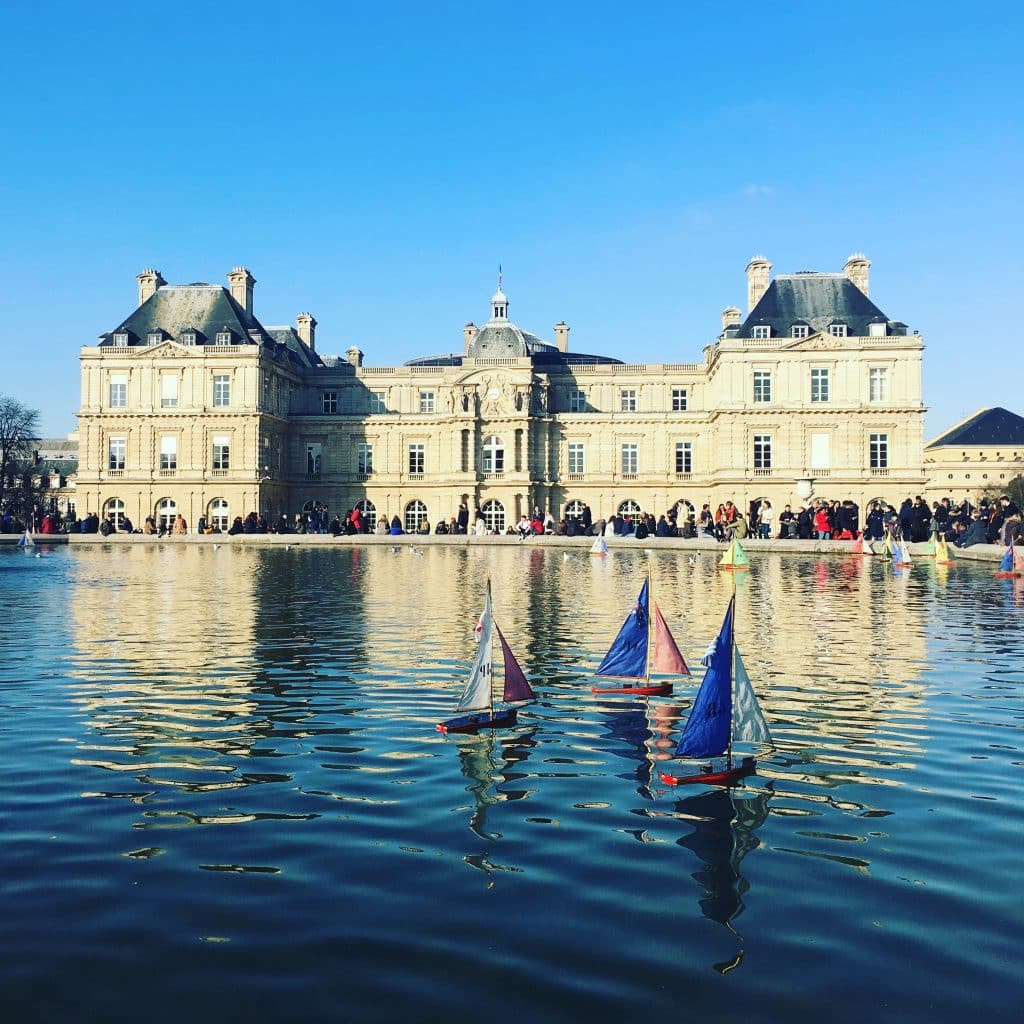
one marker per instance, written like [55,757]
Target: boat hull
[477,720]
[652,690]
[725,777]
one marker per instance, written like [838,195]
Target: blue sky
[373,164]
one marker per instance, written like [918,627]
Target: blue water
[222,796]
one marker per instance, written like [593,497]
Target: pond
[223,795]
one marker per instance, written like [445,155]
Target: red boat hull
[479,720]
[721,778]
[658,690]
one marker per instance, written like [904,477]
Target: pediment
[170,350]
[814,343]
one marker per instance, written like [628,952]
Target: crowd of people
[991,521]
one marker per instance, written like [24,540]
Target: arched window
[218,516]
[574,510]
[166,513]
[113,512]
[685,510]
[494,516]
[415,513]
[369,513]
[630,508]
[493,460]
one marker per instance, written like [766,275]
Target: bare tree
[19,429]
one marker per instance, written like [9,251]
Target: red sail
[666,654]
[516,685]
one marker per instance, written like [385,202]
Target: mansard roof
[985,427]
[208,310]
[818,300]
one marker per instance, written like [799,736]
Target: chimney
[562,336]
[758,272]
[354,356]
[730,315]
[149,281]
[856,269]
[305,325]
[241,282]
[469,333]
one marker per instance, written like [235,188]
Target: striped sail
[477,694]
[748,722]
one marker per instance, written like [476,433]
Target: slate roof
[818,300]
[985,427]
[207,309]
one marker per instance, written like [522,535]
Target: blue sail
[1006,565]
[707,729]
[627,656]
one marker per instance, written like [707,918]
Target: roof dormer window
[761,331]
[187,338]
[837,330]
[877,330]
[121,340]
[800,330]
[154,337]
[223,337]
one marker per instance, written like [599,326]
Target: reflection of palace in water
[233,625]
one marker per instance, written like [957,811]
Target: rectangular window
[800,330]
[630,458]
[154,337]
[364,463]
[330,402]
[168,390]
[378,402]
[761,331]
[684,456]
[120,340]
[187,338]
[819,385]
[627,400]
[221,389]
[427,401]
[762,385]
[417,458]
[821,451]
[169,451]
[577,457]
[878,384]
[117,448]
[221,452]
[679,399]
[118,390]
[837,330]
[762,451]
[878,451]
[577,401]
[314,457]
[223,337]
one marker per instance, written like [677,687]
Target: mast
[732,676]
[490,682]
[650,605]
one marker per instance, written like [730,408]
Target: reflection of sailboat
[25,540]
[599,548]
[630,655]
[724,822]
[477,701]
[735,557]
[725,709]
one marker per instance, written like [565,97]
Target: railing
[629,476]
[575,478]
[377,371]
[168,472]
[362,477]
[415,476]
[218,472]
[878,472]
[493,476]
[819,474]
[114,474]
[684,476]
[763,472]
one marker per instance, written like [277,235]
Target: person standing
[766,520]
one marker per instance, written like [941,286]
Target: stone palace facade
[191,405]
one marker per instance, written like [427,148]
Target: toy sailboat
[630,656]
[931,545]
[725,710]
[1011,564]
[735,557]
[477,702]
[901,553]
[599,548]
[26,541]
[943,553]
[858,547]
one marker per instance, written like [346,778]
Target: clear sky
[374,163]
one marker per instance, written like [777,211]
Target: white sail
[599,547]
[477,694]
[26,540]
[748,724]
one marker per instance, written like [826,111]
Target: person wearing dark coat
[462,519]
[873,526]
[907,518]
[922,520]
[977,533]
[804,523]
